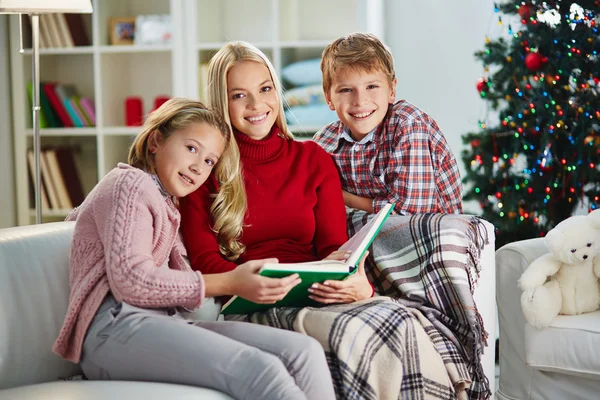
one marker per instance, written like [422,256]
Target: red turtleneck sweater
[295,212]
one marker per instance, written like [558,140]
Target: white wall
[433,43]
[7,199]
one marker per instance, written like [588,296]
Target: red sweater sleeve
[330,212]
[198,236]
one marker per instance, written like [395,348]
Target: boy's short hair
[362,51]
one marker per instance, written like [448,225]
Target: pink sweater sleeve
[128,238]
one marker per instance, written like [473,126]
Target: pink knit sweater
[125,231]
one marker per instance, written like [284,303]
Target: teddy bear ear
[554,239]
[594,218]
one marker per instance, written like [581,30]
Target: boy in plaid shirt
[386,152]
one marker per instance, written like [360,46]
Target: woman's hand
[340,255]
[248,284]
[355,288]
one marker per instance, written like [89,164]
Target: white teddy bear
[572,267]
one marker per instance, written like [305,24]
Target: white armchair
[556,363]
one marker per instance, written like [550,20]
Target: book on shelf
[315,271]
[48,183]
[86,105]
[62,187]
[65,94]
[63,29]
[49,89]
[55,37]
[44,195]
[77,29]
[57,30]
[203,82]
[64,201]
[70,173]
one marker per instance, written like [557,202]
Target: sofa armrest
[511,260]
[485,299]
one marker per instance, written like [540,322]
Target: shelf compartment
[145,75]
[130,8]
[116,150]
[298,19]
[84,152]
[223,21]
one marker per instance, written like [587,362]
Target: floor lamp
[35,8]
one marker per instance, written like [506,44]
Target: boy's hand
[358,202]
[355,288]
[248,284]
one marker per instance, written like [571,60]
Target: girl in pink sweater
[129,278]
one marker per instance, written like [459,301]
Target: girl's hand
[248,284]
[355,288]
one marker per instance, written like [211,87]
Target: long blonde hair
[177,114]
[220,64]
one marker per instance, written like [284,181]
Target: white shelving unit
[286,30]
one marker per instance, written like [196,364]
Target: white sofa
[556,363]
[34,291]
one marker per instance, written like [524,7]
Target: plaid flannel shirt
[405,160]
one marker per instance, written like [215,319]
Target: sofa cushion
[569,345]
[102,390]
[34,293]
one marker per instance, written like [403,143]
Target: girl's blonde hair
[229,207]
[220,64]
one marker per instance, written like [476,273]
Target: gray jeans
[243,360]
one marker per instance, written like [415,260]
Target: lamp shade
[45,6]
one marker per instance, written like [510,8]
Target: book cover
[65,93]
[77,30]
[44,196]
[57,106]
[48,183]
[63,29]
[55,39]
[314,272]
[57,178]
[43,118]
[87,106]
[70,172]
[74,103]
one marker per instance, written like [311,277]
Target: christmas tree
[540,159]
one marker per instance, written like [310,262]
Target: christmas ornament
[482,84]
[525,12]
[533,61]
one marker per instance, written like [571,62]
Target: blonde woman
[129,277]
[295,210]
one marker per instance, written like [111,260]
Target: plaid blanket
[422,338]
[430,262]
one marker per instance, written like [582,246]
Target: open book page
[360,242]
[314,271]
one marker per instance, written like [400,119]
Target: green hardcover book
[42,113]
[314,272]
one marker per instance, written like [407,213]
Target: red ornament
[481,85]
[525,12]
[534,61]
